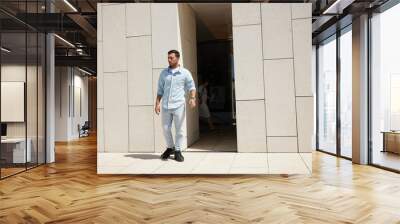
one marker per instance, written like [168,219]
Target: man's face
[172,60]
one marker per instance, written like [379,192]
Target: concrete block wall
[272,55]
[132,44]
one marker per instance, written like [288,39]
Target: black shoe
[179,156]
[167,153]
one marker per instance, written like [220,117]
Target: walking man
[174,82]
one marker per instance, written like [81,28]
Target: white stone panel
[99,22]
[280,98]
[301,10]
[100,130]
[282,144]
[305,125]
[248,62]
[276,30]
[250,119]
[156,76]
[141,129]
[302,49]
[246,14]
[140,80]
[159,141]
[116,112]
[114,42]
[138,19]
[165,32]
[100,75]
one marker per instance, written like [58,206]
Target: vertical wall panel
[159,143]
[140,72]
[138,19]
[301,10]
[187,22]
[141,133]
[114,41]
[277,30]
[305,125]
[280,97]
[165,32]
[115,112]
[251,136]
[248,65]
[156,76]
[100,130]
[302,46]
[246,14]
[100,81]
[99,22]
[282,144]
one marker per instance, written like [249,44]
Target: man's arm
[160,93]
[190,86]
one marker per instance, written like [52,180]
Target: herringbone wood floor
[70,191]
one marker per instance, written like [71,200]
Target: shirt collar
[179,69]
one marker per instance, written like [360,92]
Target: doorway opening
[215,76]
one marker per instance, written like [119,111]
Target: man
[174,82]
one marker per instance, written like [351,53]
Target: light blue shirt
[172,87]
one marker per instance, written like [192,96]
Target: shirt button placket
[170,89]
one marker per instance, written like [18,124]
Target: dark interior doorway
[215,67]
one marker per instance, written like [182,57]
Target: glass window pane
[327,96]
[346,94]
[385,81]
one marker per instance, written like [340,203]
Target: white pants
[178,116]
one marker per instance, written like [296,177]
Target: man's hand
[192,98]
[157,108]
[192,103]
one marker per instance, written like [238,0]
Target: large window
[327,95]
[385,89]
[335,94]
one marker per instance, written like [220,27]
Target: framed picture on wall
[12,101]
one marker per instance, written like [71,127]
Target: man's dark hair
[177,54]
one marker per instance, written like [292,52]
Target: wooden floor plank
[70,191]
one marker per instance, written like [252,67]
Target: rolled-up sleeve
[189,83]
[160,86]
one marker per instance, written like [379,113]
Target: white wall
[71,96]
[133,40]
[272,55]
[187,23]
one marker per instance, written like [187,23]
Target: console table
[391,141]
[13,150]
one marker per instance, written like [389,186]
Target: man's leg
[179,118]
[166,121]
